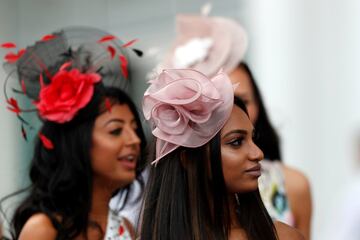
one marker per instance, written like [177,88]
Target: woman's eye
[237,142]
[116,131]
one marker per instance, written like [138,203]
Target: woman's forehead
[237,120]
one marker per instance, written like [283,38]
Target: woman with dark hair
[91,142]
[209,44]
[285,191]
[249,92]
[204,182]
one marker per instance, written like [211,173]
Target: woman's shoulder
[38,226]
[296,180]
[285,232]
[299,193]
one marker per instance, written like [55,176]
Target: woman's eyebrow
[114,120]
[236,131]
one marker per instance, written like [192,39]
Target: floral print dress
[116,228]
[273,193]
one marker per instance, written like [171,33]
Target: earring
[238,203]
[237,199]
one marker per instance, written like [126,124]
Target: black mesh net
[89,50]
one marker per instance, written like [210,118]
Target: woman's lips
[254,171]
[128,161]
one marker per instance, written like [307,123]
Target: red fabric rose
[68,92]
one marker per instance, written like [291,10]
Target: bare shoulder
[285,232]
[299,193]
[296,180]
[38,226]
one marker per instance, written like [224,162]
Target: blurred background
[305,55]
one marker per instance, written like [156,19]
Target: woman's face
[240,156]
[246,92]
[115,146]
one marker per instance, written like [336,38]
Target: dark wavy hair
[186,198]
[61,179]
[267,139]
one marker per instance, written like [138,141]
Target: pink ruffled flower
[68,92]
[186,108]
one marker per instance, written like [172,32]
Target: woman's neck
[99,212]
[100,203]
[236,231]
[233,207]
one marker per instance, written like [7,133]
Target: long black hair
[186,198]
[61,179]
[267,139]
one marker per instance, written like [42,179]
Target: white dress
[116,228]
[131,210]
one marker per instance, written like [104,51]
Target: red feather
[41,80]
[8,45]
[46,142]
[124,64]
[23,87]
[21,52]
[129,43]
[112,51]
[106,38]
[65,65]
[13,57]
[44,68]
[121,230]
[48,37]
[108,104]
[14,106]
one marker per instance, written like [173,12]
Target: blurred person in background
[284,190]
[345,220]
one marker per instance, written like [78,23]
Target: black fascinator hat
[58,72]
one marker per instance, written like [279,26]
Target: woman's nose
[255,153]
[131,137]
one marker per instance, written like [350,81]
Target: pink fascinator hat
[186,108]
[207,44]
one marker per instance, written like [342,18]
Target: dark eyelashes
[236,142]
[116,131]
[119,130]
